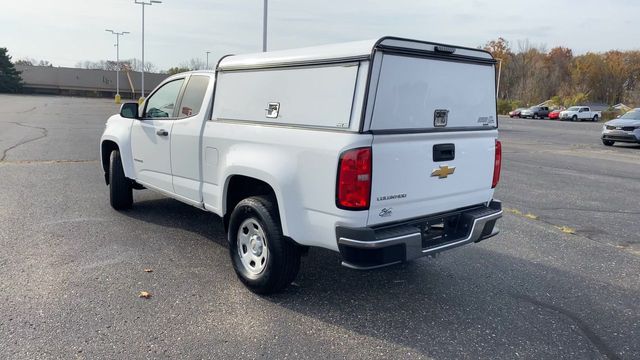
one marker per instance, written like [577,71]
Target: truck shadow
[474,300]
[172,213]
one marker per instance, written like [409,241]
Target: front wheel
[535,116]
[120,187]
[574,118]
[263,258]
[607,142]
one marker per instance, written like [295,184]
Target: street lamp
[208,52]
[144,3]
[117,34]
[499,73]
[264,25]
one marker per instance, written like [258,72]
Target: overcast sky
[66,32]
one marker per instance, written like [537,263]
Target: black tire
[574,118]
[595,118]
[120,189]
[283,261]
[535,116]
[607,142]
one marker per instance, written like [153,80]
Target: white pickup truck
[579,113]
[383,150]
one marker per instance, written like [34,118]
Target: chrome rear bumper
[370,248]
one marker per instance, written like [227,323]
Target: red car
[554,115]
[516,112]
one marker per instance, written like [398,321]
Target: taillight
[354,179]
[497,164]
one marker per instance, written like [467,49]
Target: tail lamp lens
[354,179]
[497,165]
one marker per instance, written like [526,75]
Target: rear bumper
[370,248]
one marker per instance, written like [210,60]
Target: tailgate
[403,184]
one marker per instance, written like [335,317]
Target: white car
[371,149]
[579,113]
[624,129]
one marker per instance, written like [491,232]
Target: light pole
[144,3]
[499,73]
[264,25]
[117,34]
[208,52]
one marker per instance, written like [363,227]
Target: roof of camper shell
[341,52]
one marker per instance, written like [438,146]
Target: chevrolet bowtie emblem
[443,171]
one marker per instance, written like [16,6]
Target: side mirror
[129,110]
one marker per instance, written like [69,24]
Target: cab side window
[193,96]
[162,103]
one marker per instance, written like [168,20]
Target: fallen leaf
[148,270]
[513,211]
[566,229]
[144,295]
[531,216]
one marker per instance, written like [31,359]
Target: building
[85,82]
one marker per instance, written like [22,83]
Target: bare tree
[194,64]
[132,64]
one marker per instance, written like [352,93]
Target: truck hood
[623,122]
[112,119]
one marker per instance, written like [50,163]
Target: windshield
[635,115]
[574,108]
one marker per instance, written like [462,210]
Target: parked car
[579,113]
[535,112]
[623,129]
[301,148]
[516,112]
[554,115]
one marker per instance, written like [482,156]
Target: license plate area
[439,231]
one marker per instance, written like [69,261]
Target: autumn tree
[532,75]
[501,51]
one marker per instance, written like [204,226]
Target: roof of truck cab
[342,52]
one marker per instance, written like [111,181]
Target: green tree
[10,79]
[177,70]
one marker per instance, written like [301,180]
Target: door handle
[444,152]
[162,132]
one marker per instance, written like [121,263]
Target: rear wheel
[120,189]
[607,142]
[595,118]
[263,259]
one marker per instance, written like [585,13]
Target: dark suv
[535,112]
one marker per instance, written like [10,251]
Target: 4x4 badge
[385,212]
[443,171]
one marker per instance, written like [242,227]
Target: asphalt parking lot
[562,280]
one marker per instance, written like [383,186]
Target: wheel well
[241,187]
[107,147]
